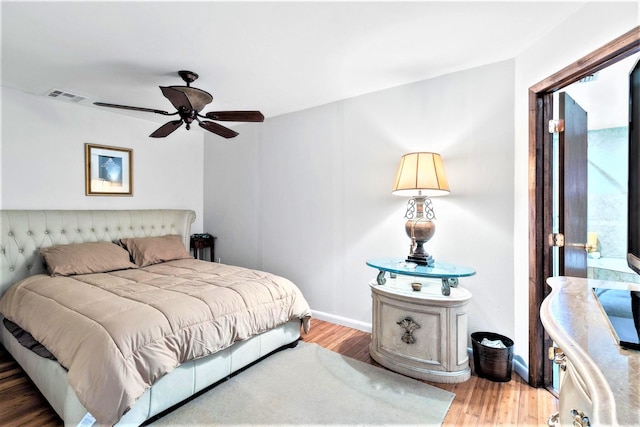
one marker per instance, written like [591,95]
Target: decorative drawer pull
[580,419]
[409,326]
[561,361]
[554,420]
[558,357]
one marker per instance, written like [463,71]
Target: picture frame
[108,170]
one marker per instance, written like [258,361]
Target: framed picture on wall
[108,170]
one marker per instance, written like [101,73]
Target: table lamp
[420,175]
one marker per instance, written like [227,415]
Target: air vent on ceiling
[589,78]
[65,96]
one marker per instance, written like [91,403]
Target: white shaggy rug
[309,385]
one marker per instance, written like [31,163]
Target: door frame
[541,189]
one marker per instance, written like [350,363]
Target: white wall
[593,26]
[308,195]
[313,199]
[42,158]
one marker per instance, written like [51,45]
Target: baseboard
[521,370]
[339,320]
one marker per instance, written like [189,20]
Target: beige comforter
[124,330]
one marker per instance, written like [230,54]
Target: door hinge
[556,239]
[556,126]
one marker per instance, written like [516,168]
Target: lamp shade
[421,174]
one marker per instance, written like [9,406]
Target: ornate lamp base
[421,259]
[420,230]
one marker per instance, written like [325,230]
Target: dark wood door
[572,188]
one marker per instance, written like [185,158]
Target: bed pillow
[153,250]
[85,258]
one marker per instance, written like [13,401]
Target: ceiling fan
[189,101]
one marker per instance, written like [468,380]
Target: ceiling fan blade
[166,129]
[236,116]
[178,98]
[126,107]
[218,129]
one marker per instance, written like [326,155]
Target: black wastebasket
[492,363]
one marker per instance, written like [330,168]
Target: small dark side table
[203,241]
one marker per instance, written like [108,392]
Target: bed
[235,316]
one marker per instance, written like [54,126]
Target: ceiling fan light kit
[188,102]
[197,97]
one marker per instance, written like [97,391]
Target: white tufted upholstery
[24,232]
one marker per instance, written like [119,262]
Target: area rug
[309,385]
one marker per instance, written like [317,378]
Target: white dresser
[422,334]
[600,381]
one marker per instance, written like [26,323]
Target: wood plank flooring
[478,402]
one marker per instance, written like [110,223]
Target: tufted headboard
[24,232]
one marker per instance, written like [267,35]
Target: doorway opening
[604,99]
[541,192]
[605,96]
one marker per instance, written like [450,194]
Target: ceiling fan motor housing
[187,115]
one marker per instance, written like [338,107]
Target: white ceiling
[605,98]
[276,57]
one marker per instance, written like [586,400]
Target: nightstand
[203,241]
[419,325]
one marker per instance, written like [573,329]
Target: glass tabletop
[437,270]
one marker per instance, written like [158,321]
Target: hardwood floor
[478,402]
